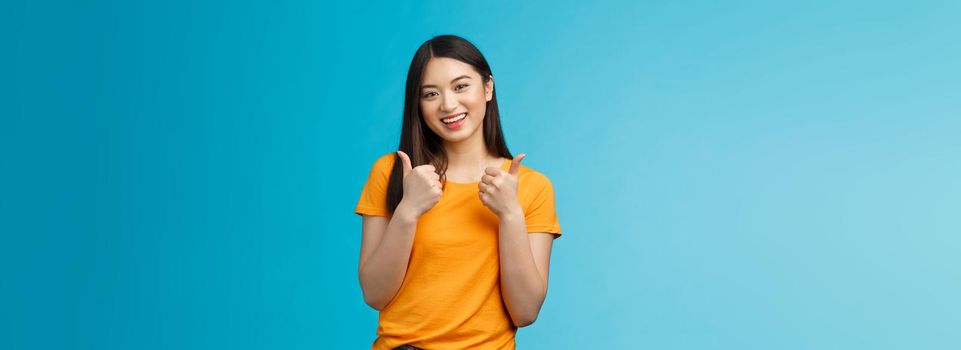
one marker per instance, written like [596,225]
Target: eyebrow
[452,80]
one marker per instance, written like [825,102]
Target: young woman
[457,234]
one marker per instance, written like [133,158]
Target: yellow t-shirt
[451,297]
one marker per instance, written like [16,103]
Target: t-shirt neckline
[504,166]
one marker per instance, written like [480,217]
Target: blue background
[729,175]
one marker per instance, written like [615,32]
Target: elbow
[520,322]
[374,304]
[369,298]
[525,317]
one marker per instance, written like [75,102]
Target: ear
[489,88]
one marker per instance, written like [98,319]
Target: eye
[460,86]
[429,94]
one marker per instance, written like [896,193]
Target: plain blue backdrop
[729,174]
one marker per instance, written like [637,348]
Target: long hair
[420,142]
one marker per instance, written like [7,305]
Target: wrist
[514,212]
[405,213]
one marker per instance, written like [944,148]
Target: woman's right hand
[422,189]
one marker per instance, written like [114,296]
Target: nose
[448,103]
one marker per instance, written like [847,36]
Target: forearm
[522,286]
[383,272]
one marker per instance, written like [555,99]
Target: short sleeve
[373,197]
[540,213]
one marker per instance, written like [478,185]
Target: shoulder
[535,193]
[384,162]
[382,167]
[531,178]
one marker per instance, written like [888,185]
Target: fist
[498,189]
[422,189]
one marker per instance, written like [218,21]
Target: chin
[459,135]
[454,139]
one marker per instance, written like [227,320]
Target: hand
[422,188]
[498,189]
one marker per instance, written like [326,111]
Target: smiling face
[453,99]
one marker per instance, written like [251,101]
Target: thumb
[406,161]
[516,164]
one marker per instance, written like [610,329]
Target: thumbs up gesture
[421,187]
[498,188]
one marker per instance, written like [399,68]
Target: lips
[453,118]
[454,122]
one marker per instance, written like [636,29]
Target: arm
[386,243]
[524,257]
[385,253]
[524,265]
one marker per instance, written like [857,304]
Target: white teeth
[454,119]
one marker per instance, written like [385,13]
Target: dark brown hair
[420,142]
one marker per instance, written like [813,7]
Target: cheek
[478,102]
[427,110]
[480,96]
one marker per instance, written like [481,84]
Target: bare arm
[385,253]
[524,257]
[386,243]
[524,266]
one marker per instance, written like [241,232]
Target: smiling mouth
[454,119]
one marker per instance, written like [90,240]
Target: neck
[470,154]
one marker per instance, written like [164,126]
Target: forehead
[441,70]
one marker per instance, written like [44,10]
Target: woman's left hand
[498,188]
